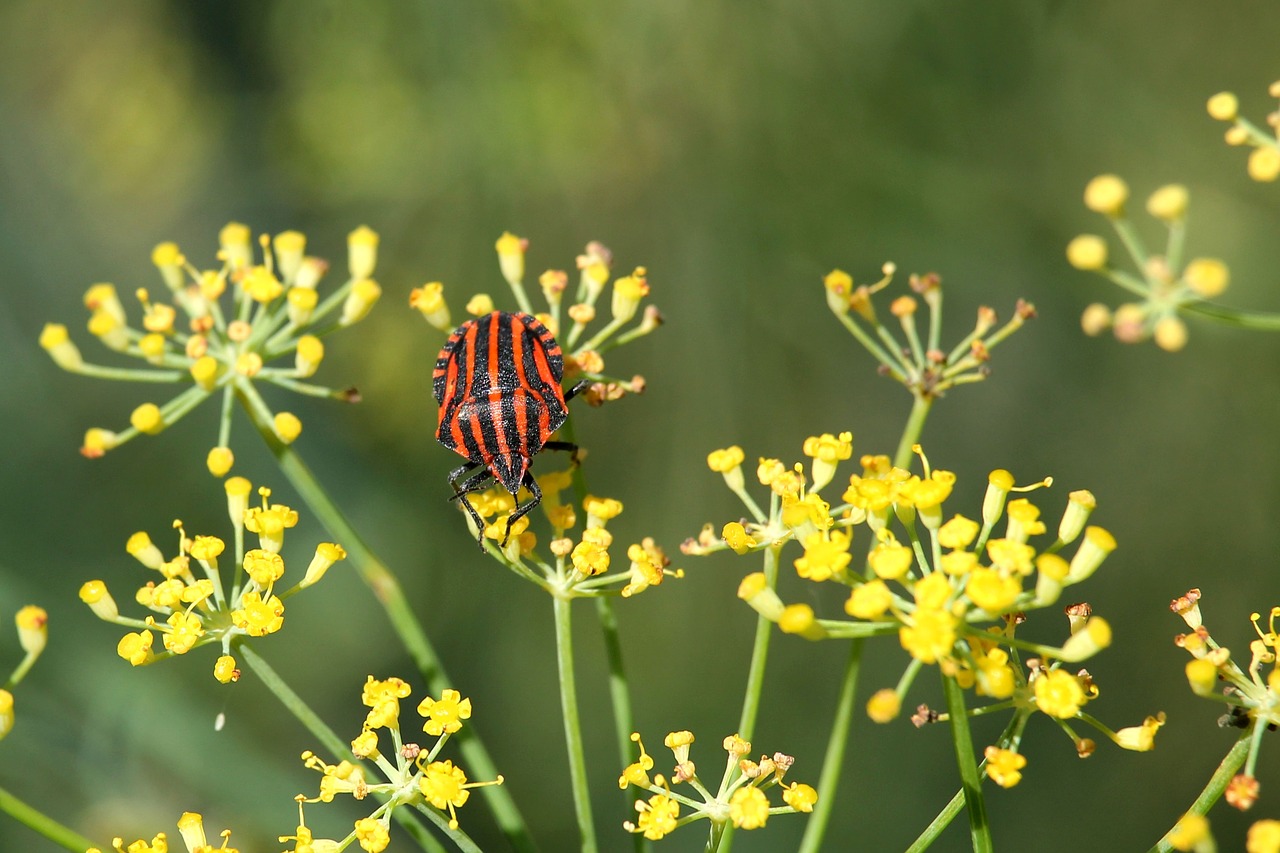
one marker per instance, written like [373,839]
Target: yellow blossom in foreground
[737,538]
[1059,694]
[444,715]
[374,835]
[799,796]
[657,816]
[825,555]
[869,601]
[1140,738]
[1004,767]
[445,787]
[748,808]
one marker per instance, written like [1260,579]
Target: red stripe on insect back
[519,403]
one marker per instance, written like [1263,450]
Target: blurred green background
[739,150]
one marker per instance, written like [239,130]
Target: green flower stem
[971,782]
[869,344]
[389,594]
[842,726]
[572,724]
[755,683]
[128,374]
[1244,319]
[911,432]
[41,823]
[1230,765]
[619,694]
[938,824]
[20,672]
[833,762]
[1177,240]
[337,747]
[522,296]
[759,654]
[619,686]
[1132,242]
[294,704]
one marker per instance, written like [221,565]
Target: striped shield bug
[497,381]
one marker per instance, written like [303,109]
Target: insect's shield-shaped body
[497,381]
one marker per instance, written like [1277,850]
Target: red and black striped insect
[497,381]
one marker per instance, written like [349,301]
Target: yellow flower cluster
[739,800]
[191,830]
[580,566]
[1252,690]
[411,772]
[198,605]
[1264,159]
[917,360]
[273,311]
[33,635]
[583,359]
[937,583]
[1163,283]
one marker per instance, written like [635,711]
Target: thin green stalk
[39,822]
[620,696]
[337,747]
[938,824]
[294,704]
[971,782]
[759,655]
[389,594]
[1244,319]
[572,724]
[1009,739]
[833,762]
[619,687]
[920,406]
[755,681]
[1230,765]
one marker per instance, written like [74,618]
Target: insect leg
[577,389]
[472,484]
[469,486]
[522,509]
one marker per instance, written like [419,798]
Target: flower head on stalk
[740,799]
[568,315]
[579,564]
[197,599]
[1166,285]
[918,362]
[33,634]
[194,839]
[1250,691]
[224,330]
[1264,158]
[411,774]
[953,590]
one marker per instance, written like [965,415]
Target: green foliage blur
[739,151]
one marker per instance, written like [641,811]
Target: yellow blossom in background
[229,350]
[1264,837]
[1190,831]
